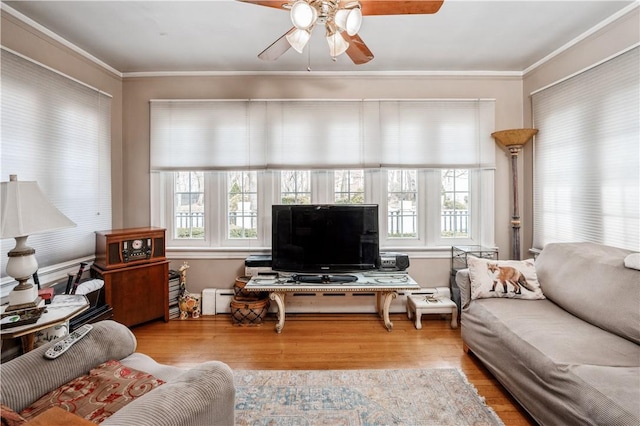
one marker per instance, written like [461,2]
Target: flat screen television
[325,238]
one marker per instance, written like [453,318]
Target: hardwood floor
[325,342]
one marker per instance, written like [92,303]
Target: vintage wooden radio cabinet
[135,271]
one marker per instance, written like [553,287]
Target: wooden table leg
[278,297]
[28,340]
[388,297]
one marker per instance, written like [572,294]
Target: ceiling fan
[342,20]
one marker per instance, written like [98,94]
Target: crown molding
[44,30]
[583,36]
[341,74]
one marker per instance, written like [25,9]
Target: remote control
[59,348]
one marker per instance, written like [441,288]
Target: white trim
[174,253]
[585,69]
[75,80]
[324,100]
[582,37]
[339,74]
[44,30]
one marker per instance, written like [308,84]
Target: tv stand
[385,286]
[323,279]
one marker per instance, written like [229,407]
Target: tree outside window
[189,211]
[242,204]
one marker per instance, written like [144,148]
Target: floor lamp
[513,140]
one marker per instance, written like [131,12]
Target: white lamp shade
[337,44]
[303,15]
[25,210]
[298,39]
[349,20]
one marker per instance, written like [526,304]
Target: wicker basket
[249,312]
[242,294]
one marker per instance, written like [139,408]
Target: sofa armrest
[464,284]
[203,395]
[28,377]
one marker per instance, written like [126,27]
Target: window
[402,209]
[253,154]
[454,206]
[242,205]
[418,207]
[349,186]
[295,187]
[57,132]
[587,156]
[189,205]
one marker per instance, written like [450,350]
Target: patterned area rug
[359,397]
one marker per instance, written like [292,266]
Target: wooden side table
[419,305]
[61,310]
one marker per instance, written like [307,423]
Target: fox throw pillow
[515,279]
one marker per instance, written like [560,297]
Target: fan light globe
[303,15]
[337,44]
[349,20]
[298,39]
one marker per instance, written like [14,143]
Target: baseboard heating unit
[217,301]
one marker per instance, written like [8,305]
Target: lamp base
[22,306]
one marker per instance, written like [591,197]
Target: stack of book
[174,292]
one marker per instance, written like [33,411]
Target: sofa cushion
[562,369]
[590,281]
[503,278]
[97,395]
[632,261]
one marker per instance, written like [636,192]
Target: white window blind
[206,135]
[57,132]
[587,156]
[437,133]
[321,134]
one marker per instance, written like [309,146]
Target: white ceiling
[227,35]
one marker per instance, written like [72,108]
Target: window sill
[242,252]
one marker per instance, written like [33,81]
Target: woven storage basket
[243,294]
[249,312]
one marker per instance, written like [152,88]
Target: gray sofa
[574,357]
[202,395]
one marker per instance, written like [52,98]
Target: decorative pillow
[514,279]
[632,261]
[96,396]
[10,417]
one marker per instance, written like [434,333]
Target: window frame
[322,192]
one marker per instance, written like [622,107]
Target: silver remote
[59,348]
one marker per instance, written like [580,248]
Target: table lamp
[25,211]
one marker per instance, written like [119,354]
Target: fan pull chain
[309,58]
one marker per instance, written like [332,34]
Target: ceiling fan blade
[269,3]
[357,50]
[277,48]
[398,7]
